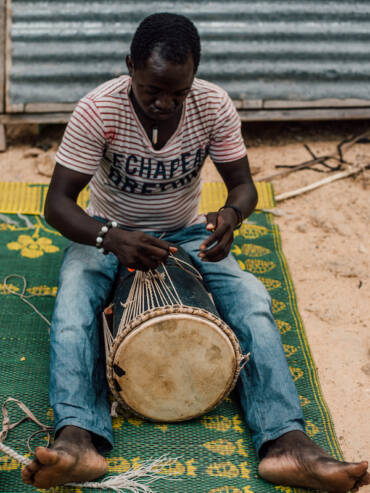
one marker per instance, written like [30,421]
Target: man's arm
[133,249]
[242,194]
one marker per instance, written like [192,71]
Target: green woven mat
[215,452]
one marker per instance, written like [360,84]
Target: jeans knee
[253,292]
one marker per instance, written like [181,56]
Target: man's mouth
[161,114]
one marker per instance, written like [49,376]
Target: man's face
[160,87]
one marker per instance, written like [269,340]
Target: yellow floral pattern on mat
[270,284]
[277,306]
[304,400]
[43,290]
[289,350]
[32,247]
[226,447]
[4,290]
[259,266]
[251,231]
[283,326]
[254,250]
[296,373]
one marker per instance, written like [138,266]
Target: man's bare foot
[73,458]
[295,460]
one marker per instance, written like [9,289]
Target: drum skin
[176,362]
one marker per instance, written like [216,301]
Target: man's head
[174,36]
[165,54]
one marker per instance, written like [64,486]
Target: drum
[172,361]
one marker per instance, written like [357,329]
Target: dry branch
[338,156]
[296,167]
[343,174]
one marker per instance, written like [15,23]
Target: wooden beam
[49,107]
[248,104]
[34,118]
[316,103]
[305,114]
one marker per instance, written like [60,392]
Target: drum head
[173,367]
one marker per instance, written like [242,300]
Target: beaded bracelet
[238,212]
[100,238]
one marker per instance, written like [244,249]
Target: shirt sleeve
[227,143]
[83,142]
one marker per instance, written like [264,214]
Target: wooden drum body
[174,362]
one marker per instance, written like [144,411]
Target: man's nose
[165,103]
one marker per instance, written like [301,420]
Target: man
[140,141]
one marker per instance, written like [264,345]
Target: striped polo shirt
[134,184]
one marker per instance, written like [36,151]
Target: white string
[108,336]
[173,287]
[29,224]
[193,270]
[147,473]
[152,289]
[22,295]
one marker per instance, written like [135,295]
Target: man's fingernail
[210,226]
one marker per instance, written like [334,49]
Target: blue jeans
[78,387]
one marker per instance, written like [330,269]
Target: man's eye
[152,92]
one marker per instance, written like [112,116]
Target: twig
[294,168]
[317,184]
[341,148]
[347,144]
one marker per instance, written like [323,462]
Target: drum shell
[191,290]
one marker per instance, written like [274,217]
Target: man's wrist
[102,235]
[238,214]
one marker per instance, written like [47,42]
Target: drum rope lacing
[135,480]
[149,290]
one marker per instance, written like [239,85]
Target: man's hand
[218,244]
[137,250]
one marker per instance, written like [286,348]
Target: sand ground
[325,236]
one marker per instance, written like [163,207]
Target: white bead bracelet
[100,238]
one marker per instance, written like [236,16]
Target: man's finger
[214,237]
[219,251]
[209,241]
[156,242]
[153,252]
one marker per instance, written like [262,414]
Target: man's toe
[27,475]
[47,456]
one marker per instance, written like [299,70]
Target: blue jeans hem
[261,439]
[102,441]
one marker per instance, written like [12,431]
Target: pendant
[155,135]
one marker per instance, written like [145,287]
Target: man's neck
[159,132]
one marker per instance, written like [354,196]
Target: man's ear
[129,64]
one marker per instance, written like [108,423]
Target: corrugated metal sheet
[256,50]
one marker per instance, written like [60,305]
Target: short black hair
[174,35]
